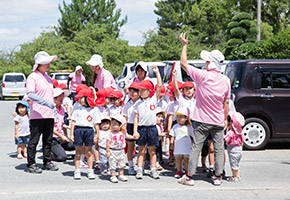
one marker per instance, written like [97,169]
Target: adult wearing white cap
[60,141]
[74,80]
[212,104]
[102,78]
[40,92]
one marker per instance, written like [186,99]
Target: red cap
[163,90]
[109,90]
[54,83]
[117,94]
[146,84]
[134,85]
[80,87]
[188,84]
[171,86]
[86,92]
[62,86]
[97,102]
[102,93]
[170,93]
[100,101]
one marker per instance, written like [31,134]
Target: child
[128,112]
[22,131]
[160,127]
[145,123]
[181,133]
[234,140]
[84,119]
[104,95]
[115,147]
[117,103]
[102,143]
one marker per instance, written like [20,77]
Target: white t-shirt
[67,103]
[113,110]
[103,110]
[172,108]
[182,141]
[162,104]
[146,108]
[23,125]
[128,111]
[86,116]
[104,135]
[188,103]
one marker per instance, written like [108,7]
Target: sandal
[233,179]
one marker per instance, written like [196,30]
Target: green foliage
[233,24]
[235,42]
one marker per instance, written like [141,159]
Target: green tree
[79,13]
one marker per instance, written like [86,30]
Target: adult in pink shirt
[74,80]
[212,104]
[102,78]
[40,92]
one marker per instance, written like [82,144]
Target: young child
[128,112]
[181,133]
[160,127]
[102,143]
[115,147]
[84,120]
[117,103]
[234,140]
[145,123]
[22,131]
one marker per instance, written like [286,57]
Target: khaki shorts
[117,159]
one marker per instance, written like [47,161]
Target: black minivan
[261,90]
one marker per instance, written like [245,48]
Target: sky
[23,20]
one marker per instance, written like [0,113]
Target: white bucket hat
[43,58]
[58,91]
[160,110]
[120,118]
[215,57]
[142,65]
[95,61]
[78,68]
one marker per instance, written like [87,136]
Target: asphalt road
[265,175]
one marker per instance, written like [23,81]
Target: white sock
[211,166]
[153,168]
[130,162]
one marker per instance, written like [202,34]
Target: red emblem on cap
[152,107]
[89,118]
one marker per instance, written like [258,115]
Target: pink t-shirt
[59,123]
[212,89]
[117,140]
[234,139]
[136,79]
[104,80]
[41,85]
[75,81]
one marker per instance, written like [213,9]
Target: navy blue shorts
[83,136]
[148,136]
[130,131]
[22,140]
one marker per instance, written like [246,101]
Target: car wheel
[256,134]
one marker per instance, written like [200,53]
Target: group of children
[101,119]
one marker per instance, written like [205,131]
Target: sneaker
[91,174]
[131,171]
[217,180]
[154,174]
[178,174]
[50,166]
[25,155]
[159,167]
[185,180]
[77,174]
[233,179]
[113,179]
[19,156]
[171,163]
[167,153]
[123,178]
[105,172]
[34,169]
[210,173]
[83,163]
[96,166]
[204,169]
[139,174]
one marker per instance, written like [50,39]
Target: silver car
[13,85]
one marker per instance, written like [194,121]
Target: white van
[13,85]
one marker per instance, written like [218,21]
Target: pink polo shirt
[58,125]
[212,89]
[104,80]
[75,81]
[41,85]
[136,79]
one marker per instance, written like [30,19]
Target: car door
[274,95]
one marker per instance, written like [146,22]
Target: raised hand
[183,40]
[155,69]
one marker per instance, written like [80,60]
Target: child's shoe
[105,172]
[185,180]
[204,169]
[96,166]
[210,173]
[154,174]
[19,156]
[217,180]
[172,163]
[158,166]
[113,179]
[83,163]
[139,174]
[25,155]
[233,179]
[167,153]
[91,174]
[77,174]
[123,178]
[131,171]
[178,174]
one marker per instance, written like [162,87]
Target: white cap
[120,118]
[107,117]
[215,57]
[142,65]
[59,91]
[43,58]
[96,60]
[78,68]
[160,110]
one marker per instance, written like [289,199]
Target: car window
[185,76]
[167,72]
[124,74]
[275,80]
[151,74]
[14,78]
[234,72]
[61,76]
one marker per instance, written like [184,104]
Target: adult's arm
[226,110]
[34,97]
[183,57]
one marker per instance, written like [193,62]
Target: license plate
[14,93]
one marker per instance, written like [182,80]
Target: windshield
[234,72]
[61,76]
[14,78]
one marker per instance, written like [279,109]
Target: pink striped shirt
[234,139]
[104,80]
[212,89]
